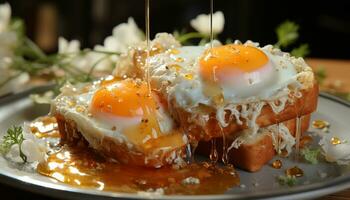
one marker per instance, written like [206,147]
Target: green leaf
[321,75]
[177,33]
[13,136]
[184,38]
[310,155]
[287,34]
[35,49]
[301,51]
[17,25]
[287,180]
[229,41]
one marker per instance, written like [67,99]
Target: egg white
[72,99]
[191,92]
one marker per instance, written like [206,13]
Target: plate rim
[57,190]
[10,97]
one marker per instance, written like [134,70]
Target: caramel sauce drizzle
[80,166]
[84,168]
[45,127]
[214,157]
[335,141]
[297,137]
[320,124]
[277,164]
[224,156]
[295,171]
[278,139]
[305,140]
[148,43]
[298,122]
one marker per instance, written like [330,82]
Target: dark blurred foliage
[325,25]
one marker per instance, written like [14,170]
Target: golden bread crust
[113,149]
[253,156]
[301,106]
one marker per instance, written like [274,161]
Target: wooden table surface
[338,71]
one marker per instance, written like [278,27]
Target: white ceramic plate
[260,185]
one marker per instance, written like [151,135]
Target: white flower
[124,36]
[202,23]
[67,47]
[8,38]
[14,85]
[84,62]
[32,147]
[5,16]
[45,98]
[70,50]
[8,42]
[339,153]
[166,40]
[102,62]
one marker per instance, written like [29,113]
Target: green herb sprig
[13,136]
[320,75]
[29,58]
[287,180]
[287,35]
[311,155]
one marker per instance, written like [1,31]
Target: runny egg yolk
[122,101]
[125,98]
[216,62]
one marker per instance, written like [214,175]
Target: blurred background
[324,25]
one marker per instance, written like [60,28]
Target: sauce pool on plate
[82,167]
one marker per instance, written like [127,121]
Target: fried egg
[235,73]
[122,109]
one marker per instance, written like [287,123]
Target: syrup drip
[224,156]
[277,164]
[189,154]
[335,141]
[320,124]
[82,167]
[211,23]
[284,153]
[305,140]
[213,152]
[190,151]
[295,171]
[277,136]
[297,137]
[148,43]
[45,127]
[298,122]
[194,146]
[278,139]
[214,91]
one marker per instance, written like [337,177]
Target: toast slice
[256,151]
[121,120]
[118,150]
[202,120]
[211,129]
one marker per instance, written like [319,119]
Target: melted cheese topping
[178,75]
